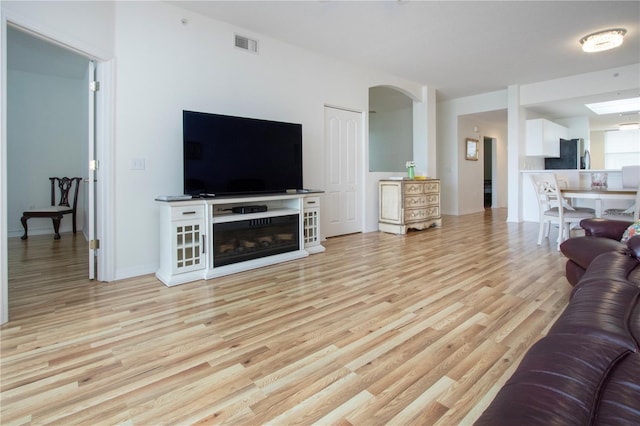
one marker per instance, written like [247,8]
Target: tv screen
[226,155]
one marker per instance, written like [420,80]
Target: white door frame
[104,153]
[91,174]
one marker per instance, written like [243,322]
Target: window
[621,148]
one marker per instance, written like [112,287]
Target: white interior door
[91,176]
[343,146]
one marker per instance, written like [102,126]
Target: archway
[390,129]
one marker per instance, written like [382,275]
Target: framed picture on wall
[471,153]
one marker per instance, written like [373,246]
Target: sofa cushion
[613,267]
[559,381]
[574,272]
[602,309]
[620,400]
[633,229]
[634,246]
[620,276]
[612,229]
[582,250]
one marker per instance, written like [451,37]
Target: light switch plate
[137,164]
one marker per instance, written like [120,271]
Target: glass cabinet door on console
[188,239]
[311,225]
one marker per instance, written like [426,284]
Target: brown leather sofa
[582,250]
[586,370]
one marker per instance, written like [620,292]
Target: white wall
[391,139]
[425,133]
[576,86]
[46,136]
[596,149]
[171,66]
[579,127]
[470,173]
[86,25]
[460,179]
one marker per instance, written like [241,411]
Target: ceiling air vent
[246,43]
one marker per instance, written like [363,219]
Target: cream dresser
[408,204]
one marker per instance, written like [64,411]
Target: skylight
[612,107]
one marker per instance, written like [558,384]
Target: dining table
[599,194]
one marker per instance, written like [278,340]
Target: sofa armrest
[612,229]
[582,250]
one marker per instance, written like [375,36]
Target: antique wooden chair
[63,186]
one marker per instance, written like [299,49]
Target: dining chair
[61,189]
[553,208]
[630,179]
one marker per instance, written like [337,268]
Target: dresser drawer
[413,188]
[187,212]
[415,215]
[433,212]
[311,202]
[432,186]
[431,199]
[415,201]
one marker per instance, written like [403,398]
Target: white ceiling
[459,47]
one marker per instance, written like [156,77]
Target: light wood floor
[380,329]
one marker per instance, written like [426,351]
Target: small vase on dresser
[411,169]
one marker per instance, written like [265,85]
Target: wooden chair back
[62,188]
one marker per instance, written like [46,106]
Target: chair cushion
[577,213]
[49,209]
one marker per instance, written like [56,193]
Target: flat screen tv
[226,155]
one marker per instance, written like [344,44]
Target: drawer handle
[311,202]
[191,212]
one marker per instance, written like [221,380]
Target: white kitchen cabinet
[543,138]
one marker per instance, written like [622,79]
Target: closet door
[343,147]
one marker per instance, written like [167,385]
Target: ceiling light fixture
[603,40]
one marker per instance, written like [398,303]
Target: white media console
[204,238]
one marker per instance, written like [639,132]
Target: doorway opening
[49,116]
[47,126]
[488,172]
